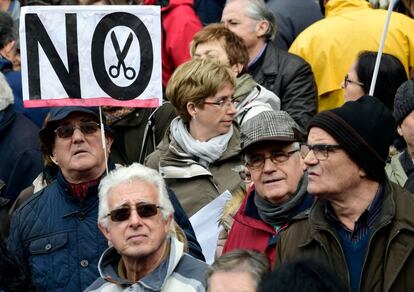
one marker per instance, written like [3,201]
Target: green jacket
[395,170]
[389,261]
[137,134]
[195,185]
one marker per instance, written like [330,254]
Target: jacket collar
[92,191]
[393,195]
[268,62]
[337,7]
[251,215]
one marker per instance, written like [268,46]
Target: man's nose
[310,159]
[77,134]
[134,219]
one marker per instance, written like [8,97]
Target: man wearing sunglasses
[55,230]
[361,224]
[135,215]
[270,144]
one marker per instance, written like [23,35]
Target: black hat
[56,114]
[365,129]
[404,101]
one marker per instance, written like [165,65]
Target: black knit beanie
[365,129]
[404,101]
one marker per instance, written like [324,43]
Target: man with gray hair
[20,155]
[135,215]
[270,145]
[287,75]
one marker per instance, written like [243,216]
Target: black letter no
[36,34]
[98,61]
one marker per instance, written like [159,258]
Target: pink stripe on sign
[100,101]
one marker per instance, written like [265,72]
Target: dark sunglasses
[86,128]
[144,210]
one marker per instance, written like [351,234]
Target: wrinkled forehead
[319,136]
[132,193]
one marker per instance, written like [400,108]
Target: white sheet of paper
[206,226]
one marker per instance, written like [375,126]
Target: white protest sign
[91,55]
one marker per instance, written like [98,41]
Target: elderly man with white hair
[136,217]
[20,155]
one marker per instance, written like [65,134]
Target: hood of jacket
[336,7]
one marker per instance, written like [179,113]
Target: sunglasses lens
[64,131]
[120,214]
[89,128]
[146,210]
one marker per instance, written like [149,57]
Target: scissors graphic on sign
[114,71]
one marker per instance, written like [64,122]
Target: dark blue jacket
[62,243]
[57,236]
[20,155]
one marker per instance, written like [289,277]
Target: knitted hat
[404,101]
[269,126]
[365,129]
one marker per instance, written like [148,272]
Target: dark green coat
[131,130]
[389,261]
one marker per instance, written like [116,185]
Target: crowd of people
[266,104]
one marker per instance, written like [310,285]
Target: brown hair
[234,46]
[194,81]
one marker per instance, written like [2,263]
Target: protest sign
[91,56]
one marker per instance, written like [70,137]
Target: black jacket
[290,78]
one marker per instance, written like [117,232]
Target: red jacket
[179,24]
[249,231]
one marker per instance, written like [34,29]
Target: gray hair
[6,93]
[240,260]
[126,175]
[257,10]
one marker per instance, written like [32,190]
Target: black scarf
[278,215]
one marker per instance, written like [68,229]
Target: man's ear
[109,140]
[7,50]
[261,28]
[53,158]
[105,231]
[399,130]
[362,173]
[168,223]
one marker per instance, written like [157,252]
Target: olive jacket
[389,260]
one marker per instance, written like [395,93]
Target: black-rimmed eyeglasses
[258,161]
[321,151]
